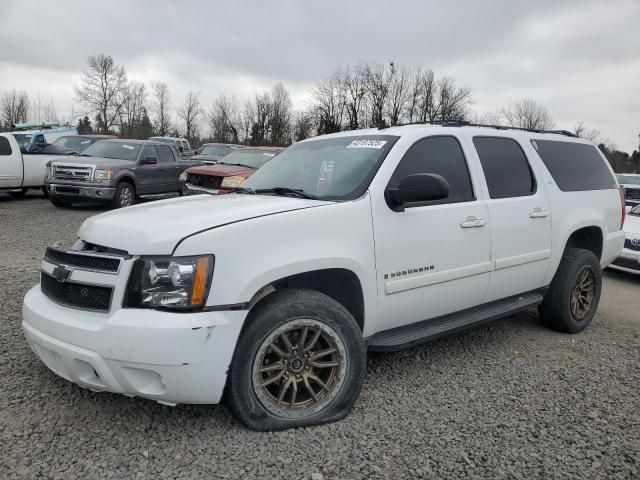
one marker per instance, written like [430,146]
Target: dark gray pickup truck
[116,172]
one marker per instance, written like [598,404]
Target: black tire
[291,308]
[18,193]
[125,195]
[56,202]
[556,309]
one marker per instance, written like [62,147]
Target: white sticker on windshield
[269,154]
[367,144]
[85,141]
[128,147]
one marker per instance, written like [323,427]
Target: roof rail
[464,123]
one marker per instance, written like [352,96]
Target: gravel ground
[508,400]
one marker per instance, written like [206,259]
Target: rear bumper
[168,357]
[613,244]
[628,261]
[79,192]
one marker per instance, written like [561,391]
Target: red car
[230,172]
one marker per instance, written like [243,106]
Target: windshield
[331,169]
[219,150]
[115,150]
[248,158]
[629,179]
[75,142]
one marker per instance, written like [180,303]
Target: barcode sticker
[378,144]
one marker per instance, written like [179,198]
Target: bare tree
[354,90]
[425,83]
[398,95]
[328,102]
[280,116]
[528,114]
[160,108]
[15,107]
[379,79]
[103,89]
[452,101]
[261,116]
[224,120]
[303,125]
[133,108]
[190,112]
[592,134]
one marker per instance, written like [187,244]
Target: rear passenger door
[520,218]
[433,257]
[169,168]
[149,176]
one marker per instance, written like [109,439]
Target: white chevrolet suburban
[270,297]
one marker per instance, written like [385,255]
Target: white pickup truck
[270,297]
[21,171]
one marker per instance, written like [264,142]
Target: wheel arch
[588,237]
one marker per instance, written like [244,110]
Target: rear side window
[165,153]
[5,146]
[575,166]
[505,167]
[441,155]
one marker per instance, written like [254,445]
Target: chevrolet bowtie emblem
[61,273]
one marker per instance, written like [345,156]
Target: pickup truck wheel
[125,195]
[18,193]
[300,361]
[573,296]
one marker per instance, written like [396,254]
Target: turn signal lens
[232,182]
[200,281]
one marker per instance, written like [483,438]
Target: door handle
[473,222]
[538,213]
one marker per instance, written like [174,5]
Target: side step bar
[409,335]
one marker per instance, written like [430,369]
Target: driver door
[433,258]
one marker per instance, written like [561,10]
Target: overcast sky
[579,58]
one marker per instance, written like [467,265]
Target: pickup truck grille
[78,295]
[71,173]
[204,181]
[632,193]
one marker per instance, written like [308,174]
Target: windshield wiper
[287,191]
[84,155]
[249,191]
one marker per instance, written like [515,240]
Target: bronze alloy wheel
[583,293]
[299,368]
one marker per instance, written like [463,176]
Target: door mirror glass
[419,187]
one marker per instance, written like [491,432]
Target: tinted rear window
[575,166]
[505,167]
[5,146]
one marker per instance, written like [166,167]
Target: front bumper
[79,192]
[628,261]
[168,357]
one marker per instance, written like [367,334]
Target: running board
[409,335]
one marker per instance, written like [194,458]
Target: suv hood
[156,228]
[99,162]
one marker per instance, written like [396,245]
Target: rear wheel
[573,296]
[125,195]
[299,361]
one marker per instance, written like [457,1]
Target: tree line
[364,95]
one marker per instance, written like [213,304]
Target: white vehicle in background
[32,137]
[629,259]
[363,240]
[182,144]
[21,171]
[630,182]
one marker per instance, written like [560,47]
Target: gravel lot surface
[508,400]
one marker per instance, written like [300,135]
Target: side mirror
[180,149]
[419,187]
[150,161]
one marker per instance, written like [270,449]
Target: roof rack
[464,123]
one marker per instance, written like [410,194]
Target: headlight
[48,175]
[101,175]
[232,182]
[170,282]
[183,177]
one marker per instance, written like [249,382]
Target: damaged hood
[155,228]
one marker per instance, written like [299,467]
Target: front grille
[627,263]
[72,173]
[632,193]
[204,181]
[77,295]
[87,262]
[630,245]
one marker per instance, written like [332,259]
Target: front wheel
[125,195]
[573,296]
[300,361]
